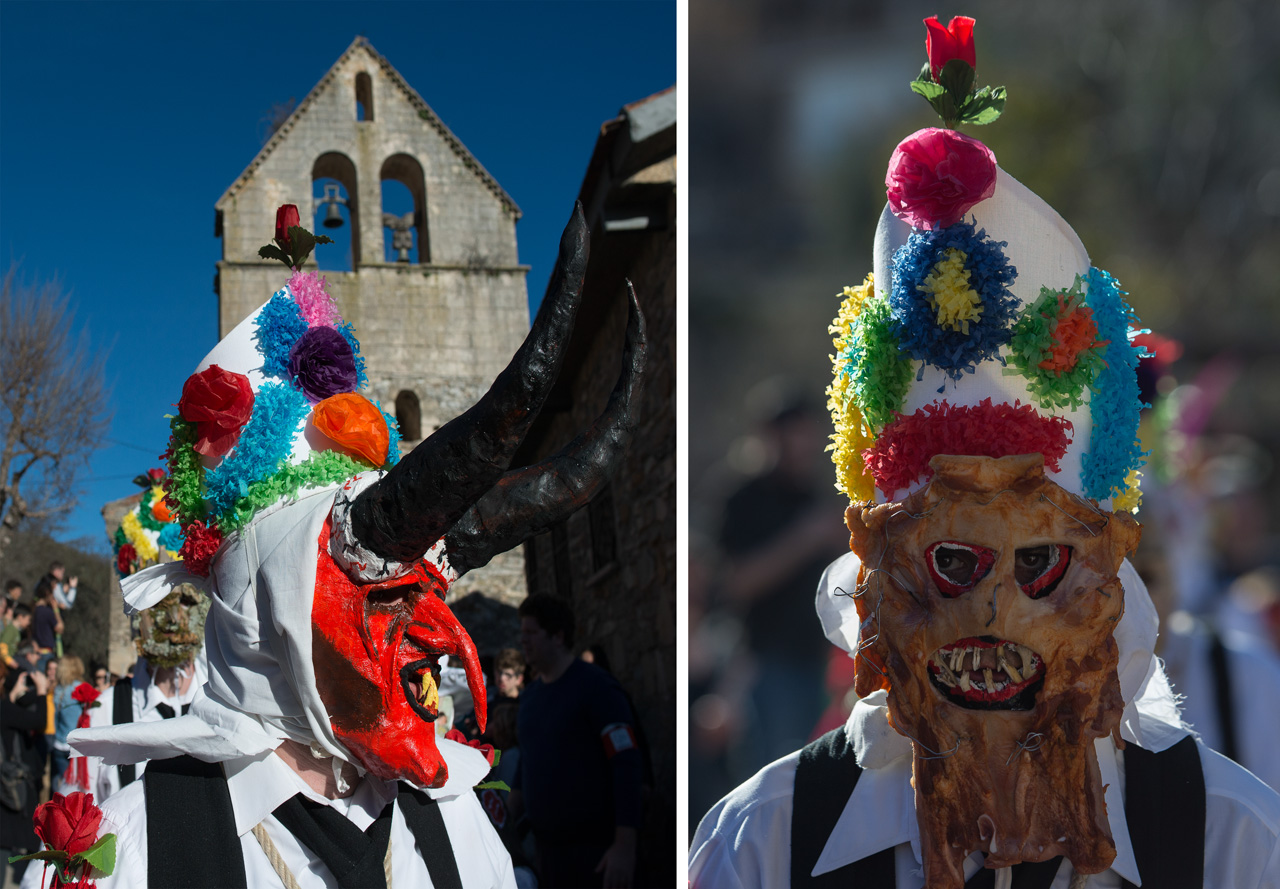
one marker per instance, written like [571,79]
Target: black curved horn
[529,500]
[404,513]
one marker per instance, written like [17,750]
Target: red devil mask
[376,649]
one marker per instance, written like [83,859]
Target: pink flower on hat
[935,176]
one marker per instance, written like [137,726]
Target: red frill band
[902,453]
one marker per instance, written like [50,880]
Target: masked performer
[167,679]
[1013,726]
[314,759]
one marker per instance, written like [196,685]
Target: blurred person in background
[66,713]
[102,678]
[501,733]
[779,531]
[46,623]
[13,590]
[1198,487]
[580,769]
[22,724]
[64,590]
[15,631]
[508,673]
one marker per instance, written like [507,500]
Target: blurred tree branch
[53,404]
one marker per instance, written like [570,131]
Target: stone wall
[627,604]
[120,649]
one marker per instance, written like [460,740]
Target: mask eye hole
[957,567]
[1039,569]
[393,597]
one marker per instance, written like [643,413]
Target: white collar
[887,791]
[259,784]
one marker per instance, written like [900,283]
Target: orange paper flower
[160,511]
[355,423]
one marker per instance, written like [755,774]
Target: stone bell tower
[436,293]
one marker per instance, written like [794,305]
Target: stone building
[435,326]
[615,559]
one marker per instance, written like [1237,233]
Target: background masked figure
[314,757]
[167,679]
[1013,726]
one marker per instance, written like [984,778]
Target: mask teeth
[430,691]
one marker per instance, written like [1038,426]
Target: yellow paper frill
[852,434]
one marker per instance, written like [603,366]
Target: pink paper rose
[936,175]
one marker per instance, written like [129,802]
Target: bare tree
[53,404]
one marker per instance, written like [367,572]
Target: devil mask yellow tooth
[430,691]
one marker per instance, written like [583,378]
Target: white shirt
[744,842]
[259,784]
[105,779]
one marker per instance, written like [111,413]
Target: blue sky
[122,123]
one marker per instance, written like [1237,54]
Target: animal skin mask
[988,602]
[170,633]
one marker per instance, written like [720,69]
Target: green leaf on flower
[926,74]
[102,854]
[957,76]
[984,106]
[57,856]
[301,242]
[493,785]
[271,251]
[928,89]
[323,239]
[497,758]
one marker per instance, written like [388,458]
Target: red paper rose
[69,823]
[955,41]
[84,693]
[936,175]
[487,749]
[219,403]
[199,545]
[155,475]
[287,216]
[125,558]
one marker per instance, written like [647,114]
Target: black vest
[187,798]
[1164,806]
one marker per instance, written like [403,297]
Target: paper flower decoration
[322,363]
[199,545]
[935,176]
[354,422]
[219,403]
[68,826]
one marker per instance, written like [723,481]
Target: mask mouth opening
[986,673]
[421,683]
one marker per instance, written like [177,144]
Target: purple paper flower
[322,363]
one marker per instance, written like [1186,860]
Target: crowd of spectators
[39,706]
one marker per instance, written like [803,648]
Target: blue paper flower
[915,320]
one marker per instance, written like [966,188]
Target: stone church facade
[434,330]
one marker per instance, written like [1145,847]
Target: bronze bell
[333,218]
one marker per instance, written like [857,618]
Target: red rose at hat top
[935,176]
[286,216]
[69,823]
[955,41]
[219,403]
